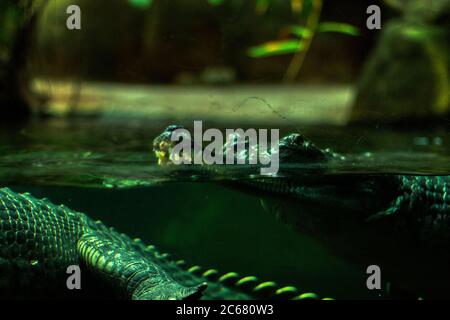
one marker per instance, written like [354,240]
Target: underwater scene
[224,150]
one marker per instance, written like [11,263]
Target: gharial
[398,222]
[39,241]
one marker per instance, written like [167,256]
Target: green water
[106,169]
[118,153]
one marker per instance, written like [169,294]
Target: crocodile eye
[163,145]
[299,140]
[295,140]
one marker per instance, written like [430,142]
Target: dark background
[182,38]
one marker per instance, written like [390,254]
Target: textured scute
[214,290]
[39,240]
[424,204]
[35,242]
[407,232]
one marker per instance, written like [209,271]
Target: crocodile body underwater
[399,222]
[39,241]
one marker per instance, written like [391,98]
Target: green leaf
[339,28]
[141,4]
[300,31]
[274,48]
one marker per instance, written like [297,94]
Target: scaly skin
[39,241]
[399,222]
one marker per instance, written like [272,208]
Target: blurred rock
[407,75]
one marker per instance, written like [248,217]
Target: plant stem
[298,59]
